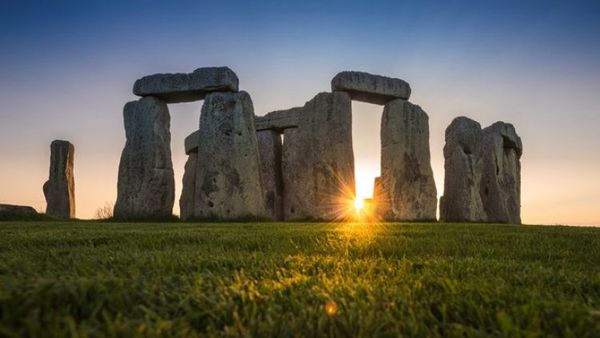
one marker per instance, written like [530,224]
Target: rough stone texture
[173,88]
[461,201]
[371,88]
[188,187]
[318,161]
[380,201]
[228,184]
[59,190]
[279,120]
[269,146]
[191,143]
[8,211]
[406,176]
[146,187]
[501,173]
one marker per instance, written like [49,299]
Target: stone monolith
[188,188]
[408,187]
[318,161]
[59,190]
[146,186]
[228,184]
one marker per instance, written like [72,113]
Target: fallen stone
[16,212]
[269,146]
[371,88]
[228,183]
[174,88]
[318,161]
[146,186]
[501,173]
[410,193]
[59,190]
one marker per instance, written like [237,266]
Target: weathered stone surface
[59,190]
[318,161]
[188,188]
[228,184]
[408,187]
[191,143]
[483,173]
[461,201]
[146,186]
[501,173]
[173,88]
[269,146]
[371,88]
[279,120]
[8,212]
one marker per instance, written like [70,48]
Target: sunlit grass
[280,279]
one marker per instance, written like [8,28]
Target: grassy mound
[274,279]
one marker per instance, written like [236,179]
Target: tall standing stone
[146,186]
[228,184]
[59,190]
[409,191]
[501,173]
[461,201]
[269,146]
[188,188]
[318,161]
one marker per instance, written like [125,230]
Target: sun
[359,203]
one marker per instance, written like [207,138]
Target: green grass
[274,279]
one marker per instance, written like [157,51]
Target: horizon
[67,75]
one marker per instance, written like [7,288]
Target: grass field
[274,279]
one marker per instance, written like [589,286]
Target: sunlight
[359,203]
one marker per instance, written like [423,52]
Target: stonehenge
[482,173]
[298,163]
[59,190]
[146,185]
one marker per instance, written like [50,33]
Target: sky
[68,67]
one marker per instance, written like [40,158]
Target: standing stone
[462,154]
[182,87]
[318,161]
[59,190]
[228,184]
[146,187]
[409,189]
[501,173]
[371,88]
[188,189]
[269,146]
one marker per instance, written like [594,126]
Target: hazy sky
[67,69]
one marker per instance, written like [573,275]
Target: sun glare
[359,203]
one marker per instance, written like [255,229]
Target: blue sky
[67,68]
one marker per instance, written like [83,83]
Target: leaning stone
[406,172]
[462,154]
[269,146]
[16,212]
[501,173]
[59,190]
[228,184]
[146,187]
[371,88]
[318,161]
[174,88]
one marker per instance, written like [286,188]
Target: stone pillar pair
[482,173]
[224,168]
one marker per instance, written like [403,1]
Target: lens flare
[359,203]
